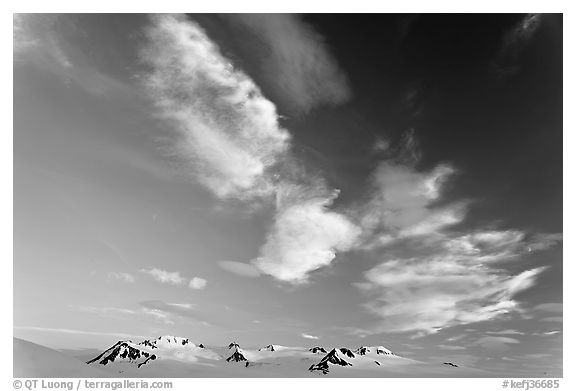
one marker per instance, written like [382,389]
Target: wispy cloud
[45,41]
[308,336]
[553,319]
[172,313]
[158,315]
[498,344]
[226,128]
[513,42]
[120,276]
[401,204]
[451,347]
[103,310]
[431,293]
[240,268]
[547,333]
[430,278]
[549,307]
[165,277]
[35,39]
[306,235]
[505,332]
[294,60]
[186,306]
[82,332]
[197,283]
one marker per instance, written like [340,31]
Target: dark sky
[440,75]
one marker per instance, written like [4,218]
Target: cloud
[186,310]
[294,60]
[430,278]
[498,344]
[82,332]
[451,347]
[226,129]
[549,307]
[165,277]
[547,333]
[521,32]
[47,41]
[103,310]
[430,293]
[187,306]
[240,268]
[197,283]
[35,40]
[401,204]
[172,313]
[545,241]
[514,42]
[125,277]
[308,336]
[553,319]
[305,235]
[229,133]
[505,332]
[158,315]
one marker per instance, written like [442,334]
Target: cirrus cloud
[294,60]
[226,129]
[240,268]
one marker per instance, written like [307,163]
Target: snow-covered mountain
[365,357]
[127,353]
[170,356]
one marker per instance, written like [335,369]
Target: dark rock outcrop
[331,358]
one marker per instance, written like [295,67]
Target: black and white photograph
[281,195]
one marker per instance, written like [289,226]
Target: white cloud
[294,60]
[187,306]
[227,129]
[165,277]
[505,332]
[125,277]
[239,268]
[308,336]
[197,283]
[429,279]
[306,235]
[230,134]
[427,294]
[401,204]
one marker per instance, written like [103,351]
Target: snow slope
[169,356]
[32,360]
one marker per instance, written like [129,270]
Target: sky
[303,180]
